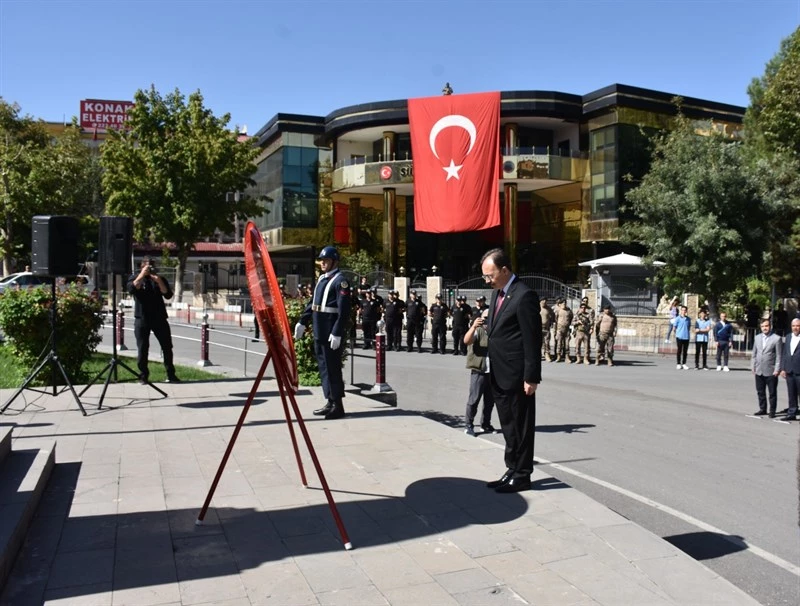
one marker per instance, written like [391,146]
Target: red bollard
[120,334]
[381,385]
[204,361]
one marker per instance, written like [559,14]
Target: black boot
[329,406]
[337,412]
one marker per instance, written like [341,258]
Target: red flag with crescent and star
[455,142]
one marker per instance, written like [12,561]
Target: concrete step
[23,477]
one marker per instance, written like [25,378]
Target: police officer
[393,316]
[461,319]
[370,311]
[329,313]
[438,313]
[480,305]
[582,325]
[548,318]
[415,321]
[563,322]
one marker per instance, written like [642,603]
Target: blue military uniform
[329,313]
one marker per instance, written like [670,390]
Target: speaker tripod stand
[111,367]
[51,358]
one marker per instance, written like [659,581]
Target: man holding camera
[149,291]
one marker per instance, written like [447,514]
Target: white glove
[299,331]
[335,342]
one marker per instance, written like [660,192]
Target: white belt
[325,310]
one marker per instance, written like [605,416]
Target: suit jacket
[766,360]
[515,338]
[790,363]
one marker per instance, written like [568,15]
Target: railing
[506,151]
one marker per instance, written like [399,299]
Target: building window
[605,200]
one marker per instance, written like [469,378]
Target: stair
[23,477]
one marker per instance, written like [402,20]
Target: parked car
[23,279]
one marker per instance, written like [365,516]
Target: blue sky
[255,58]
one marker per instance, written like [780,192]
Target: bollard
[204,361]
[381,386]
[121,331]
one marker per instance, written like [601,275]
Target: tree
[39,174]
[772,130]
[174,169]
[697,210]
[360,262]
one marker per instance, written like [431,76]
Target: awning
[620,260]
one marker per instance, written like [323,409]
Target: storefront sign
[99,115]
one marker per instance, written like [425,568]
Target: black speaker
[116,245]
[54,245]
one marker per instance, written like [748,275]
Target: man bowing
[515,366]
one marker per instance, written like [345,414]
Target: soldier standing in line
[548,318]
[563,322]
[415,319]
[370,311]
[583,329]
[461,318]
[606,330]
[585,301]
[438,312]
[393,316]
[377,297]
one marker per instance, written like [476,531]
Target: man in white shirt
[790,369]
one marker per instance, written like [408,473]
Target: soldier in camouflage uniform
[563,322]
[606,329]
[582,325]
[548,318]
[585,301]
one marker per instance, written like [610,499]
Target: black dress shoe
[514,485]
[789,418]
[503,480]
[321,412]
[173,379]
[759,413]
[488,429]
[337,412]
[143,381]
[772,415]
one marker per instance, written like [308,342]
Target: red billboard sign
[100,115]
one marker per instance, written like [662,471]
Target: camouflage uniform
[606,329]
[583,330]
[548,318]
[563,321]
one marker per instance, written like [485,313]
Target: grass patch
[12,376]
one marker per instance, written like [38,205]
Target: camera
[151,269]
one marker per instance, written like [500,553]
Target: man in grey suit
[766,366]
[790,369]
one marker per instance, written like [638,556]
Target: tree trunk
[180,271]
[7,234]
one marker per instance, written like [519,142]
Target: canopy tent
[622,259]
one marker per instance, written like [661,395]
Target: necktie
[499,302]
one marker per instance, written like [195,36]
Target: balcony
[530,168]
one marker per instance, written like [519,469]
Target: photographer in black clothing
[149,291]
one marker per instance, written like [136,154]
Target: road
[672,450]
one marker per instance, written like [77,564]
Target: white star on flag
[452,170]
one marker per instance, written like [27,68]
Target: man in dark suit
[515,366]
[790,369]
[766,365]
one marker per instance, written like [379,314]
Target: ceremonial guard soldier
[438,313]
[415,321]
[329,314]
[461,320]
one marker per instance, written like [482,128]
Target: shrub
[307,367]
[25,320]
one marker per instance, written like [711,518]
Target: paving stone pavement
[117,523]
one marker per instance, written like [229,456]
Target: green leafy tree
[772,129]
[40,174]
[697,210]
[360,262]
[174,169]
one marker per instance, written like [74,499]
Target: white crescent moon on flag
[453,120]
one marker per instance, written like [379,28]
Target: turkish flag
[455,142]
